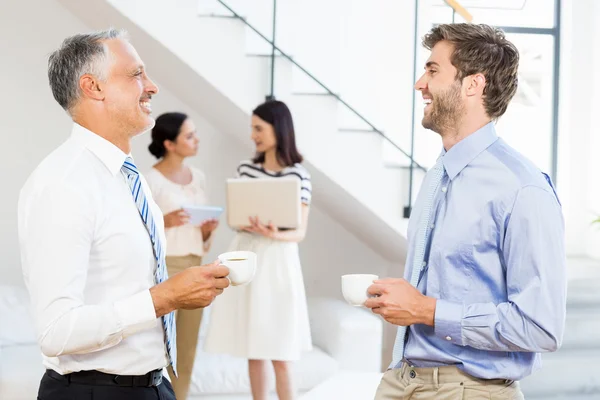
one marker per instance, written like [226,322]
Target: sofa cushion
[17,325]
[218,373]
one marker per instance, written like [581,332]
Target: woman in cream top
[183,239]
[174,185]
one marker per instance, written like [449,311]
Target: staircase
[571,373]
[203,60]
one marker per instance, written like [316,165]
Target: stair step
[297,93]
[215,16]
[591,396]
[567,373]
[582,328]
[584,293]
[363,130]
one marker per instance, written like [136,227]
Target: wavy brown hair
[482,49]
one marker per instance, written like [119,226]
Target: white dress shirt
[88,261]
[170,196]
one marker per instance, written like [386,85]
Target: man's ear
[475,84]
[91,87]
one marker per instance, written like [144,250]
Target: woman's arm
[270,231]
[294,235]
[207,230]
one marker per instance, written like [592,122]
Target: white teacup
[241,264]
[354,288]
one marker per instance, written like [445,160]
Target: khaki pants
[188,325]
[443,383]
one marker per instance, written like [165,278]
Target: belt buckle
[117,379]
[155,378]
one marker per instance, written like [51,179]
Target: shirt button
[413,374]
[444,189]
[424,263]
[432,226]
[448,338]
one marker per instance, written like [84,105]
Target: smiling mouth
[427,102]
[146,106]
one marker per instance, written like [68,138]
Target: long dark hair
[279,116]
[167,127]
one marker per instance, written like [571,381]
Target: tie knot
[129,167]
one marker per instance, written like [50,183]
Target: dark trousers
[52,388]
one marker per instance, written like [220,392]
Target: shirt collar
[465,151]
[110,155]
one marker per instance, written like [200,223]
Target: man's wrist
[428,310]
[163,301]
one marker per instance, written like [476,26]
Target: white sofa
[344,338]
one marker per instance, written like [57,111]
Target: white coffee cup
[354,288]
[241,264]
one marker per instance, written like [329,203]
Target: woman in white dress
[267,320]
[174,184]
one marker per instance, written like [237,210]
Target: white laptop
[275,200]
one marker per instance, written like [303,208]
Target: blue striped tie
[434,179]
[160,274]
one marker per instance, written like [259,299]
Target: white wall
[591,143]
[579,164]
[32,122]
[33,125]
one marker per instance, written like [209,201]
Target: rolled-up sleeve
[533,318]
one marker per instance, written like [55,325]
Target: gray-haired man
[92,238]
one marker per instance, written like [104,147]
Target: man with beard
[485,279]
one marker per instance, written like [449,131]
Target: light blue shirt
[495,262]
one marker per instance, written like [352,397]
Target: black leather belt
[152,378]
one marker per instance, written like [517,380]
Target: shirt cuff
[136,313]
[448,321]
